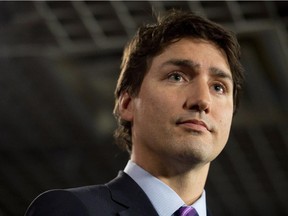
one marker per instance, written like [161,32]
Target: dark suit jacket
[122,196]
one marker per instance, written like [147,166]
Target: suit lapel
[125,191]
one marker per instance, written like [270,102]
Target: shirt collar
[165,200]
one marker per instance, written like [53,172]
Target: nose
[198,97]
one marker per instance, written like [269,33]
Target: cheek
[159,99]
[224,114]
[225,127]
[225,124]
[156,108]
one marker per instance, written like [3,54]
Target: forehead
[204,53]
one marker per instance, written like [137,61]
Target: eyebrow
[217,72]
[220,73]
[182,63]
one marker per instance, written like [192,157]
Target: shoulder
[56,202]
[107,199]
[80,201]
[74,201]
[89,195]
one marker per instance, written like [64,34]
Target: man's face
[184,108]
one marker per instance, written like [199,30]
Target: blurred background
[59,62]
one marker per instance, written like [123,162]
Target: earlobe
[126,107]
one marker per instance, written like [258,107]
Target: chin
[199,154]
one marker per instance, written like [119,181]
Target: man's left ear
[126,107]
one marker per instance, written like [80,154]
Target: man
[175,99]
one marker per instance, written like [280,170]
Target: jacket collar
[125,191]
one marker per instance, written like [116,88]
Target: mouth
[194,124]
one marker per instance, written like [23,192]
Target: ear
[126,107]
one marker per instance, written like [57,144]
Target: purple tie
[187,211]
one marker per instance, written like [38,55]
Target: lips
[194,124]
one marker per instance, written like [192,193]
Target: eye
[219,88]
[176,77]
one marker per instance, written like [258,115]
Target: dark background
[58,68]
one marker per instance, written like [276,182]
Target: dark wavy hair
[151,40]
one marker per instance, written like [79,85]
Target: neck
[186,180]
[188,185]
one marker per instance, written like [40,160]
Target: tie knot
[187,211]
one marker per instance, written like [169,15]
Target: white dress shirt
[164,199]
